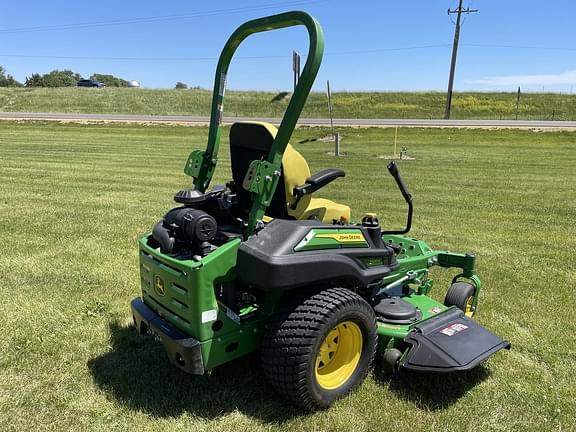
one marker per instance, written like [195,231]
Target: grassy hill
[533,106]
[74,198]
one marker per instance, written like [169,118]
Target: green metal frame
[417,256]
[264,175]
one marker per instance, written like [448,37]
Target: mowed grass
[196,102]
[74,199]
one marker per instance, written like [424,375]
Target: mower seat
[292,200]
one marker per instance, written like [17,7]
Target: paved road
[484,124]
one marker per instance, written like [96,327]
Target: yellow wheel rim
[469,309]
[339,355]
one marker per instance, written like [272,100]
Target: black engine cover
[268,261]
[184,225]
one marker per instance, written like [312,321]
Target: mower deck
[449,342]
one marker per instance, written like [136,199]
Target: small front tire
[391,360]
[461,295]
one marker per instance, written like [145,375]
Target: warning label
[451,330]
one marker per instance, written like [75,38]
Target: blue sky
[370,45]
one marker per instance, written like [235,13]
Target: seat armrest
[318,180]
[322,178]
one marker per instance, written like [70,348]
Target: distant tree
[64,78]
[7,80]
[180,86]
[35,80]
[109,80]
[55,78]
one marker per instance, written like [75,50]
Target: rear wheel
[321,349]
[461,295]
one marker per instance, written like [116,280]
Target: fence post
[517,102]
[337,144]
[395,140]
[330,107]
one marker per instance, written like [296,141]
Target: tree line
[57,78]
[67,78]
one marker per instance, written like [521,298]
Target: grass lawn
[196,102]
[74,199]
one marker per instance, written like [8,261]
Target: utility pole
[458,11]
[296,67]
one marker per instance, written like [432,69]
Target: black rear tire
[294,347]
[461,295]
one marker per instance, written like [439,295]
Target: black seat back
[248,142]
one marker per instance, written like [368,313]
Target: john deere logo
[159,286]
[344,237]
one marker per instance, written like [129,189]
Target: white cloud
[568,77]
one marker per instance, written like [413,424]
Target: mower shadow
[137,373]
[431,391]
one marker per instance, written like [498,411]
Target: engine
[185,227]
[199,226]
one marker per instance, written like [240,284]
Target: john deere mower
[260,265]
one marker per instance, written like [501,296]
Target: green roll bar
[262,176]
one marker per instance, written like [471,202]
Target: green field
[74,199]
[427,105]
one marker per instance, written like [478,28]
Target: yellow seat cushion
[296,172]
[327,211]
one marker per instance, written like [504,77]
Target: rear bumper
[450,342]
[183,351]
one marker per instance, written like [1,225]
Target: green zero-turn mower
[259,265]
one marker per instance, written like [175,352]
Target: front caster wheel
[391,360]
[322,349]
[461,295]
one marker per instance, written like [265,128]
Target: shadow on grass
[431,391]
[136,371]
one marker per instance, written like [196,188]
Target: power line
[279,56]
[124,58]
[373,50]
[333,53]
[158,18]
[527,47]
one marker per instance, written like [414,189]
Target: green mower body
[225,275]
